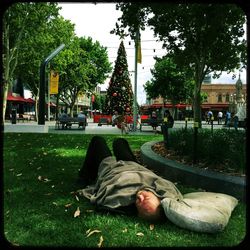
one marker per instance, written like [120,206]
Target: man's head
[149,206]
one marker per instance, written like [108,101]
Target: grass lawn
[40,172]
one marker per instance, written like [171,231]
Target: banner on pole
[139,49]
[54,80]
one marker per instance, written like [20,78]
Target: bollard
[13,116]
[196,124]
[212,124]
[186,121]
[164,130]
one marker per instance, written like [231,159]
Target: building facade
[218,97]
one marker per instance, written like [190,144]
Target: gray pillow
[200,211]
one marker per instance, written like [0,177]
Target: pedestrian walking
[219,117]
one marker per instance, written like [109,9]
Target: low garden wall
[192,176]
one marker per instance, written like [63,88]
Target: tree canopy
[170,81]
[22,22]
[31,31]
[204,37]
[83,65]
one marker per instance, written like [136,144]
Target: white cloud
[97,20]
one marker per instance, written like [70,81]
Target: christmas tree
[119,93]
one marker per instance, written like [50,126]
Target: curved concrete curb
[195,177]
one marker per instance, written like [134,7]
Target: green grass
[35,212]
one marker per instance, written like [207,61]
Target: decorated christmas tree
[119,93]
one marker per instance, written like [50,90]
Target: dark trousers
[97,151]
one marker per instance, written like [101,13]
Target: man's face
[148,205]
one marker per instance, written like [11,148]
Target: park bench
[66,122]
[103,121]
[147,122]
[23,117]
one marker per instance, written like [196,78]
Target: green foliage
[170,81]
[40,211]
[222,146]
[119,93]
[24,26]
[204,37]
[83,65]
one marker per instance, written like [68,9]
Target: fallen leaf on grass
[44,179]
[19,174]
[89,233]
[151,227]
[68,205]
[77,198]
[89,211]
[100,242]
[140,234]
[77,212]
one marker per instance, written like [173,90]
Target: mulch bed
[160,149]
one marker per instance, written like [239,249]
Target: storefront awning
[12,98]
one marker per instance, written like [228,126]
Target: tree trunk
[36,105]
[197,104]
[5,94]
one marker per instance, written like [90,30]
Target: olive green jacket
[119,181]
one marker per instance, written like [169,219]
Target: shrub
[222,146]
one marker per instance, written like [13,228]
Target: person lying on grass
[121,184]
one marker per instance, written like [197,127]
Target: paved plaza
[91,128]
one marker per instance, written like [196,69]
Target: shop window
[220,98]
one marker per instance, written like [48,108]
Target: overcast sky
[97,20]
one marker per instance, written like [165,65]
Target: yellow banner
[139,51]
[54,80]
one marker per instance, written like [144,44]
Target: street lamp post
[135,82]
[41,113]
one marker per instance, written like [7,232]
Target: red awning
[29,100]
[15,98]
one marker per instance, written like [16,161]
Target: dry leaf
[54,203]
[41,178]
[100,242]
[68,205]
[19,174]
[77,212]
[89,211]
[140,234]
[77,198]
[93,232]
[151,226]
